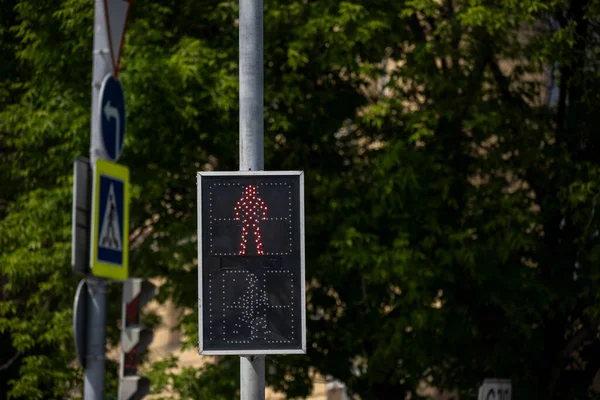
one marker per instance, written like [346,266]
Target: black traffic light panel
[251,262]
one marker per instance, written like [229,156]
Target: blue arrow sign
[112,116]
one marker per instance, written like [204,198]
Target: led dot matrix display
[251,262]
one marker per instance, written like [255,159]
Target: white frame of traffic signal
[302,275]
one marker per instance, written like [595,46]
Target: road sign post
[110,17]
[251,147]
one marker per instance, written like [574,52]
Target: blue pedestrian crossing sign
[110,222]
[112,116]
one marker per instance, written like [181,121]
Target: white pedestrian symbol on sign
[110,235]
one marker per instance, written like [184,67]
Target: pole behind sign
[96,287]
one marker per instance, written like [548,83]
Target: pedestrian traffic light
[251,262]
[134,338]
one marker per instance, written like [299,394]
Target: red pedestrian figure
[250,209]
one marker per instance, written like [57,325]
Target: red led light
[245,211]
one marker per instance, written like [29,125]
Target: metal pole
[252,377]
[251,86]
[252,369]
[94,362]
[96,302]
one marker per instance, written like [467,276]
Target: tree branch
[10,361]
[503,83]
[592,214]
[576,341]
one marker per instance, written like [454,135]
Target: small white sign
[495,389]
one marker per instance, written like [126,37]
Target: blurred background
[451,151]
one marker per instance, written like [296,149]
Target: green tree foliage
[452,198]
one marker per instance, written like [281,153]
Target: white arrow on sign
[117,14]
[113,112]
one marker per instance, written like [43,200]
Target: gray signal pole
[251,86]
[252,368]
[96,302]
